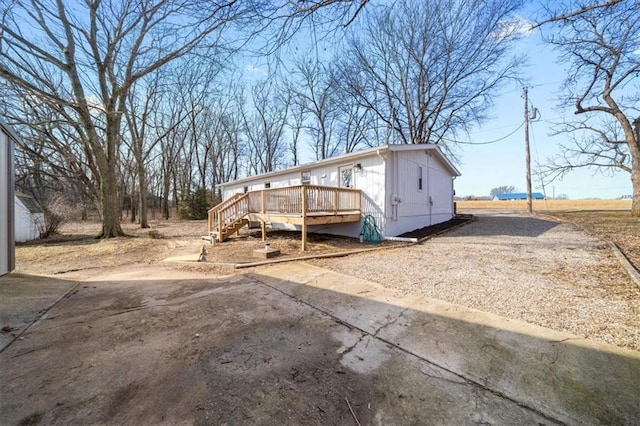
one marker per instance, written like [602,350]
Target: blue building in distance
[518,196]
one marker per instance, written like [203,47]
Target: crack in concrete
[374,334]
[42,315]
[465,379]
[352,347]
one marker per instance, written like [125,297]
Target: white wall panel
[6,201]
[27,224]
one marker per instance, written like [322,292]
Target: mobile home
[400,187]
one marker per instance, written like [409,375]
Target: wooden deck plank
[318,219]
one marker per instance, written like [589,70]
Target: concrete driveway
[289,344]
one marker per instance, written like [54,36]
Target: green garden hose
[370,231]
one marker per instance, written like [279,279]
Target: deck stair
[229,229]
[228,217]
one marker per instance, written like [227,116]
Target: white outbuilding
[29,218]
[399,188]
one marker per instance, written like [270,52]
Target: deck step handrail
[227,212]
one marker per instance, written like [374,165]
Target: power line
[550,83]
[547,84]
[486,142]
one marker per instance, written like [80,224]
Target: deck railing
[305,200]
[299,200]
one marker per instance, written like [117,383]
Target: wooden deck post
[263,228]
[304,218]
[220,237]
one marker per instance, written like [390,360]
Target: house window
[346,176]
[267,185]
[245,189]
[419,178]
[306,177]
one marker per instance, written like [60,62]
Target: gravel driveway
[517,266]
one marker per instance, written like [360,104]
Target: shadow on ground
[503,224]
[138,348]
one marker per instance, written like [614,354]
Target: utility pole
[527,151]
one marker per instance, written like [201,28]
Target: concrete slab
[23,299]
[135,347]
[266,253]
[559,376]
[294,344]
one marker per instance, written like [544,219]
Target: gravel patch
[517,266]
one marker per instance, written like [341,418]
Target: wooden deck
[302,205]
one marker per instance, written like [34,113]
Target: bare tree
[504,189]
[147,129]
[222,133]
[431,68]
[297,117]
[264,126]
[50,158]
[570,10]
[355,123]
[345,11]
[320,16]
[86,58]
[312,90]
[600,47]
[231,143]
[170,146]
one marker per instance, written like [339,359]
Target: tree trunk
[109,204]
[634,149]
[165,198]
[142,186]
[134,199]
[635,182]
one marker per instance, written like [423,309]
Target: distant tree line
[505,189]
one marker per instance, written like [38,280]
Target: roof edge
[9,130]
[351,156]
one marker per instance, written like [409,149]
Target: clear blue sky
[485,167]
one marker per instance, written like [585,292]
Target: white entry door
[345,174]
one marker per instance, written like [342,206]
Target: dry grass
[239,249]
[77,249]
[79,254]
[547,205]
